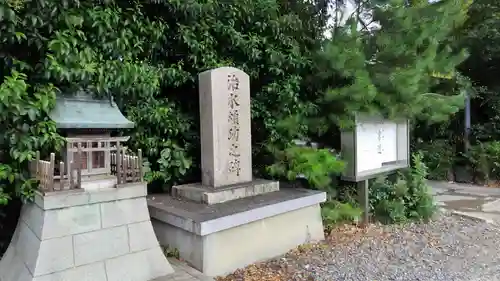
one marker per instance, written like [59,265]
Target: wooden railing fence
[52,180]
[127,168]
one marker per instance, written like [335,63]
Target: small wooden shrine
[90,153]
[89,218]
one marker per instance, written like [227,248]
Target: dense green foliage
[335,212]
[390,71]
[480,36]
[439,156]
[405,198]
[149,61]
[50,48]
[316,165]
[484,159]
[395,70]
[147,55]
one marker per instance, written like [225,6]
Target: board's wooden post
[364,201]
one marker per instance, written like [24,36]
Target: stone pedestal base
[210,195]
[98,235]
[218,239]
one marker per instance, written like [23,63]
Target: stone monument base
[213,195]
[78,235]
[218,239]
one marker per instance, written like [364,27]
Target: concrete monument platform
[97,235]
[230,219]
[208,195]
[218,239]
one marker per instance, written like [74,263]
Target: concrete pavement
[469,200]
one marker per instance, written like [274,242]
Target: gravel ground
[450,248]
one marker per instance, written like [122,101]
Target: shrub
[439,157]
[484,159]
[316,165]
[405,198]
[334,212]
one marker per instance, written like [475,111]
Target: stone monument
[226,144]
[89,220]
[225,127]
[210,223]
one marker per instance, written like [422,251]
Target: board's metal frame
[352,173]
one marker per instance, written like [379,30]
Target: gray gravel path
[450,248]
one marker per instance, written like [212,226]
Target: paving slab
[439,187]
[486,217]
[451,197]
[493,206]
[473,201]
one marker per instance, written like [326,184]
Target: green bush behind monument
[147,57]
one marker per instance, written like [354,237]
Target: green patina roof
[81,111]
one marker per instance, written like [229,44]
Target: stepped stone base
[98,235]
[210,195]
[218,239]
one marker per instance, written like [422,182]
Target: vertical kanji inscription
[233,86]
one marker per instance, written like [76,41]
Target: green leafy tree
[24,104]
[25,129]
[392,69]
[273,41]
[107,48]
[147,55]
[481,36]
[111,50]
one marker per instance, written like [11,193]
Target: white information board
[375,146]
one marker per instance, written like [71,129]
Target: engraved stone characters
[233,86]
[225,127]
